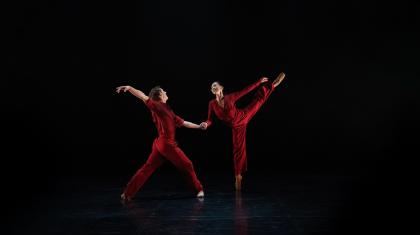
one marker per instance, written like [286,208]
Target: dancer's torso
[165,119]
[229,113]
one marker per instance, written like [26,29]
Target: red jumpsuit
[238,118]
[164,148]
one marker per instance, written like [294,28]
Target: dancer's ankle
[200,194]
[238,182]
[124,198]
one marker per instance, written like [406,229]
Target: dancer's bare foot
[200,194]
[238,182]
[279,78]
[124,198]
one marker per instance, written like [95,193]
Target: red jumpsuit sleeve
[237,95]
[151,104]
[209,120]
[178,121]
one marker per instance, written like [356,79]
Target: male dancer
[225,109]
[164,146]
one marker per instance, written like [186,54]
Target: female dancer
[225,109]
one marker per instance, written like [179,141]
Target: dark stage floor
[291,205]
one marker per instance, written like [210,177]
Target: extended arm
[209,120]
[237,95]
[192,125]
[181,122]
[137,93]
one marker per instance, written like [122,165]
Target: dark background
[349,104]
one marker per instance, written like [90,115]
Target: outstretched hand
[203,125]
[263,79]
[123,88]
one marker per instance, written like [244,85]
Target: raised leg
[258,100]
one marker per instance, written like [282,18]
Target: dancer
[164,146]
[224,108]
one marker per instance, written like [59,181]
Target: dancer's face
[216,88]
[163,97]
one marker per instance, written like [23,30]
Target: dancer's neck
[219,96]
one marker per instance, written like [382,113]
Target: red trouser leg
[239,149]
[258,100]
[153,162]
[175,155]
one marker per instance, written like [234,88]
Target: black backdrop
[348,105]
